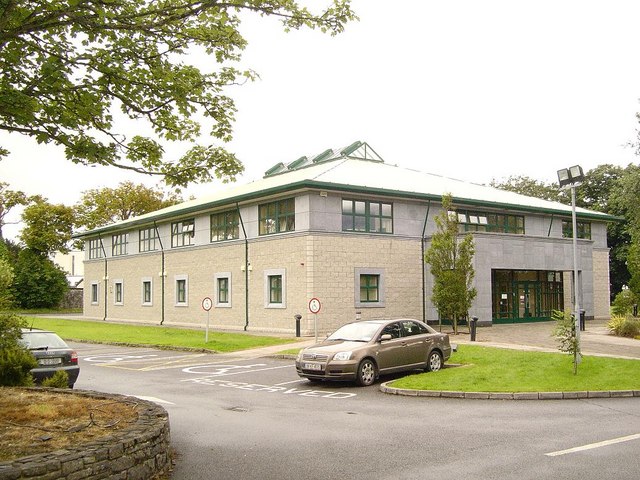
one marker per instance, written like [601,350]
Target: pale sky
[461,88]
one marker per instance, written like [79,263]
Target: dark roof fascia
[313,184]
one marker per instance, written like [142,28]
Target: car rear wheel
[366,373]
[434,362]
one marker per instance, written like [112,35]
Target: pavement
[594,340]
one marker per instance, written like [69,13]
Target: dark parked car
[362,351]
[51,353]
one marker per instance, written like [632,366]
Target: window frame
[183,233]
[95,249]
[493,222]
[584,229]
[359,273]
[119,243]
[224,226]
[176,283]
[118,292]
[360,219]
[268,275]
[147,239]
[145,302]
[216,279]
[279,212]
[95,293]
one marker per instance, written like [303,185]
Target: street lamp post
[571,178]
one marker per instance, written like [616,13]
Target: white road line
[287,383]
[154,399]
[594,445]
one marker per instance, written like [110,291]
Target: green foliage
[624,326]
[39,283]
[47,227]
[6,280]
[565,333]
[451,266]
[15,367]
[533,188]
[103,206]
[623,303]
[67,66]
[60,379]
[15,361]
[9,199]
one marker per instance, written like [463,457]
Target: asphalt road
[254,418]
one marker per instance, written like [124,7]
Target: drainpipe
[424,279]
[246,270]
[106,278]
[162,273]
[550,225]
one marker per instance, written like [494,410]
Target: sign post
[314,307]
[206,306]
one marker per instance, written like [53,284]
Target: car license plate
[45,362]
[312,366]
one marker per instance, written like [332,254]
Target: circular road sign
[314,305]
[206,304]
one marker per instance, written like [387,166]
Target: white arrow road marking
[591,446]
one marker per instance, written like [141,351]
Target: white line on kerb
[594,445]
[154,399]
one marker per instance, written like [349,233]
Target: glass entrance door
[528,294]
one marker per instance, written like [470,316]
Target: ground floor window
[118,292]
[275,288]
[223,289]
[525,295]
[147,292]
[94,294]
[182,291]
[369,287]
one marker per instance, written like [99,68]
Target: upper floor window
[584,229]
[119,244]
[225,226]
[471,221]
[148,239]
[95,248]
[366,216]
[276,217]
[183,233]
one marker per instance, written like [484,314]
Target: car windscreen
[355,332]
[36,340]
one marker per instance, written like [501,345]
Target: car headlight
[341,356]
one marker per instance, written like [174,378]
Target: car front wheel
[366,373]
[435,361]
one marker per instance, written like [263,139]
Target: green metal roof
[355,169]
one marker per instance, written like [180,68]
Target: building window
[95,249]
[147,292]
[182,291]
[118,292]
[471,221]
[223,289]
[225,226]
[276,217]
[95,290]
[275,293]
[584,229]
[148,237]
[369,287]
[183,233]
[366,216]
[119,244]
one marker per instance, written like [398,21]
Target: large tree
[47,227]
[103,206]
[451,262]
[67,65]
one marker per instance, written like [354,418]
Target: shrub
[624,326]
[623,303]
[60,379]
[15,367]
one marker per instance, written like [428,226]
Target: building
[350,230]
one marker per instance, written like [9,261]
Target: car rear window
[34,340]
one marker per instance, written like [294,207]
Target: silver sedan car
[362,351]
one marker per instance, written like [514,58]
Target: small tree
[16,361]
[451,266]
[565,333]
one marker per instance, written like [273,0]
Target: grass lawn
[486,369]
[105,332]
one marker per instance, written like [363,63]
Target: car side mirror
[385,337]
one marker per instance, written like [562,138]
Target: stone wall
[139,452]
